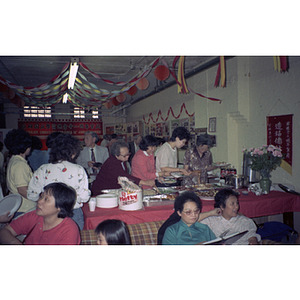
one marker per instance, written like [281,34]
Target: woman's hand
[5,218]
[185,172]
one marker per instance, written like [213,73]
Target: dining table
[252,206]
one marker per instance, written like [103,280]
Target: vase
[265,185]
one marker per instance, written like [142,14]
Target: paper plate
[207,198]
[10,203]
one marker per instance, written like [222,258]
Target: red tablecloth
[250,205]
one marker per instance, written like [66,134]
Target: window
[95,114]
[37,112]
[79,112]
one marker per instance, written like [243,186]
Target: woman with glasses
[114,167]
[187,231]
[199,158]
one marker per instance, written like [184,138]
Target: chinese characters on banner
[280,134]
[43,127]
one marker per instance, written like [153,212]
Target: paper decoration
[143,84]
[221,72]
[182,87]
[280,63]
[132,91]
[161,72]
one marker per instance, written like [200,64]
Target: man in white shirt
[92,153]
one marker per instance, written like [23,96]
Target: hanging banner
[43,127]
[280,134]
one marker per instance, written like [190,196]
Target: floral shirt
[193,160]
[66,172]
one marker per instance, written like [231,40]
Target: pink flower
[251,149]
[256,151]
[260,152]
[277,153]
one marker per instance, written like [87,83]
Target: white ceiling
[32,71]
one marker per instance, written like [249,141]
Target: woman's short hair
[204,139]
[51,137]
[114,231]
[94,135]
[107,137]
[114,136]
[184,198]
[17,141]
[63,148]
[180,132]
[148,141]
[222,196]
[116,146]
[65,198]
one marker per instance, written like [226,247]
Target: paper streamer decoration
[182,87]
[280,63]
[221,72]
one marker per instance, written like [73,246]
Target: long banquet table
[250,205]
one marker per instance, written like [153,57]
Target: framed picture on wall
[212,124]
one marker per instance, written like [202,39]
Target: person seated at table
[143,162]
[92,153]
[199,158]
[166,156]
[62,168]
[187,231]
[114,167]
[230,219]
[19,174]
[50,223]
[112,232]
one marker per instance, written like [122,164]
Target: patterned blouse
[66,172]
[193,160]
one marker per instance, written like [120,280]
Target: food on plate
[207,194]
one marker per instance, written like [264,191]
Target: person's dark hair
[17,141]
[114,136]
[1,146]
[94,135]
[36,143]
[114,231]
[51,137]
[160,141]
[148,141]
[222,196]
[65,198]
[116,146]
[63,148]
[204,139]
[107,137]
[184,198]
[180,132]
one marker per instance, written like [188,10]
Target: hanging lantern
[114,101]
[161,72]
[121,98]
[132,91]
[143,84]
[108,104]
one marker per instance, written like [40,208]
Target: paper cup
[92,205]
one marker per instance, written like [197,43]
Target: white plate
[107,200]
[10,203]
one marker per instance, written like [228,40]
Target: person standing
[113,139]
[92,153]
[36,157]
[19,174]
[134,146]
[106,139]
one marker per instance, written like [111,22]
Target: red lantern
[3,87]
[143,84]
[132,91]
[161,72]
[114,101]
[108,104]
[121,98]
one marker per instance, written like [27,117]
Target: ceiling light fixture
[65,98]
[73,72]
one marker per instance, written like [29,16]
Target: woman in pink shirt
[143,162]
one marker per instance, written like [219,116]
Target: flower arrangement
[264,159]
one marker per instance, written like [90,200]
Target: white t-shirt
[166,157]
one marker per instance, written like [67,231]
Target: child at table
[112,232]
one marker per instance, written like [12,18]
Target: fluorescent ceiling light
[72,75]
[65,98]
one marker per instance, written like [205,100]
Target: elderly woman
[143,162]
[19,173]
[62,168]
[200,159]
[229,219]
[50,223]
[187,231]
[114,167]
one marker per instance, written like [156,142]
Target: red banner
[280,134]
[43,127]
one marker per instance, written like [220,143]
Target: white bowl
[107,201]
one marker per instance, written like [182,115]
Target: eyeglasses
[189,212]
[125,155]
